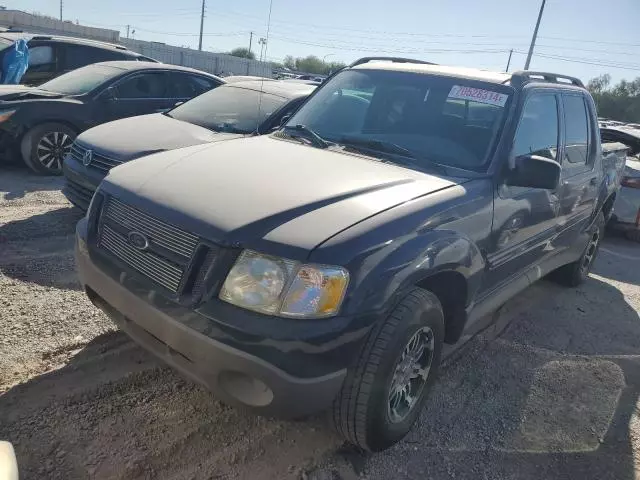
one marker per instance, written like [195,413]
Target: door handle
[593,181]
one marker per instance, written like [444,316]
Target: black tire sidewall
[381,432]
[599,224]
[30,142]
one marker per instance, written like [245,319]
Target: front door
[138,94]
[525,219]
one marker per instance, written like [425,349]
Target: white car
[627,206]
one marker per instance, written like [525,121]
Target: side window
[76,56]
[42,58]
[577,129]
[538,129]
[189,86]
[143,85]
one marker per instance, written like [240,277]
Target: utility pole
[128,26]
[60,10]
[250,41]
[201,26]
[263,43]
[509,61]
[535,35]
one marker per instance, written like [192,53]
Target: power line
[586,61]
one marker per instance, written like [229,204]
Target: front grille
[98,161]
[169,251]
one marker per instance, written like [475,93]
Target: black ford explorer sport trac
[323,267]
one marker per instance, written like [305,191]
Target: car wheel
[45,146]
[383,394]
[577,272]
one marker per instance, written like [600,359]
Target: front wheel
[384,393]
[44,147]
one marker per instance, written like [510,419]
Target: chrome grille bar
[160,233]
[157,269]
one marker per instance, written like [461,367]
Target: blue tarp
[15,62]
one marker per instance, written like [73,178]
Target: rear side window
[76,56]
[538,129]
[577,129]
[185,86]
[42,58]
[143,85]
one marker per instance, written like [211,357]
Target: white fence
[216,63]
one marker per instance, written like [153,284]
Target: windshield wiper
[401,155]
[374,144]
[306,132]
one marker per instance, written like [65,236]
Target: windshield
[444,120]
[82,80]
[229,109]
[4,43]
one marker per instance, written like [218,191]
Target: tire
[44,147]
[573,274]
[362,412]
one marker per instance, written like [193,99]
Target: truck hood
[268,194]
[9,93]
[135,137]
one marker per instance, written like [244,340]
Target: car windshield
[229,109]
[433,119]
[5,43]
[82,80]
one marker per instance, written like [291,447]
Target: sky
[583,38]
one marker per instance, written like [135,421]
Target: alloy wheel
[52,148]
[410,374]
[590,252]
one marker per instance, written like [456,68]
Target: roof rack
[390,59]
[523,76]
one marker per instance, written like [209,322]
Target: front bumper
[237,377]
[80,182]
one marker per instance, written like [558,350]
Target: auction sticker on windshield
[478,95]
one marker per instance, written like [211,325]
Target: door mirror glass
[285,119]
[534,171]
[109,94]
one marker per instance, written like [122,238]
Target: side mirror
[285,119]
[534,171]
[109,94]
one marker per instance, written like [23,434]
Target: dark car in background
[51,56]
[235,109]
[40,124]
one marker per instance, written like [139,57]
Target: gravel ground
[551,391]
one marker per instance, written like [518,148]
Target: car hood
[268,194]
[10,93]
[136,137]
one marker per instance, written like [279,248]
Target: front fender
[386,273]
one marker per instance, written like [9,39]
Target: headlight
[6,115]
[283,287]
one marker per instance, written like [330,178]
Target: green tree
[243,53]
[618,102]
[289,62]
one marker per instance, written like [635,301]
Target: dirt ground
[550,392]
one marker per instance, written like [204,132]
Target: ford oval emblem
[138,240]
[87,157]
